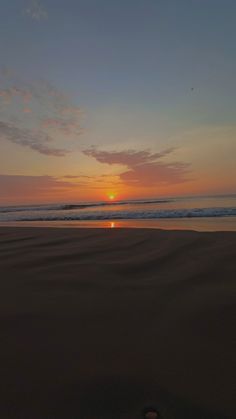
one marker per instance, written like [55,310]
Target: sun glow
[111,196]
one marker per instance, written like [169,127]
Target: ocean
[197,213]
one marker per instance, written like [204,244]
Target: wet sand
[96,323]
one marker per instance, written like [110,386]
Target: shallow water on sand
[203,224]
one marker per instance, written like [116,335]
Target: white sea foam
[48,215]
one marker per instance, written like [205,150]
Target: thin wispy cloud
[66,126]
[38,115]
[12,92]
[144,168]
[14,187]
[6,71]
[35,10]
[47,96]
[95,181]
[10,183]
[130,158]
[36,140]
[40,188]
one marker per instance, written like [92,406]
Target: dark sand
[97,323]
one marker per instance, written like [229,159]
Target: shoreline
[207,224]
[96,323]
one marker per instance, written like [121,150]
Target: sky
[128,98]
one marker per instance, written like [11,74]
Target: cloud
[24,189]
[128,158]
[6,71]
[46,96]
[34,114]
[12,92]
[35,10]
[14,183]
[144,168]
[64,115]
[35,140]
[156,173]
[66,126]
[34,188]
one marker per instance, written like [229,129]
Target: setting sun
[111,196]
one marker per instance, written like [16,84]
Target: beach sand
[97,323]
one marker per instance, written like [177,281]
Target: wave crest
[137,215]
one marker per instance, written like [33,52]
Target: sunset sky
[130,98]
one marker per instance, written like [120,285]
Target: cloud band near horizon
[144,167]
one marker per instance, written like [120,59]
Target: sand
[97,323]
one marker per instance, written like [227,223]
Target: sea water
[200,213]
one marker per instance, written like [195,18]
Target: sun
[111,196]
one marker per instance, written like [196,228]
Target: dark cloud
[36,140]
[144,168]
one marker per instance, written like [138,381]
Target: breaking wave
[69,207]
[119,215]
